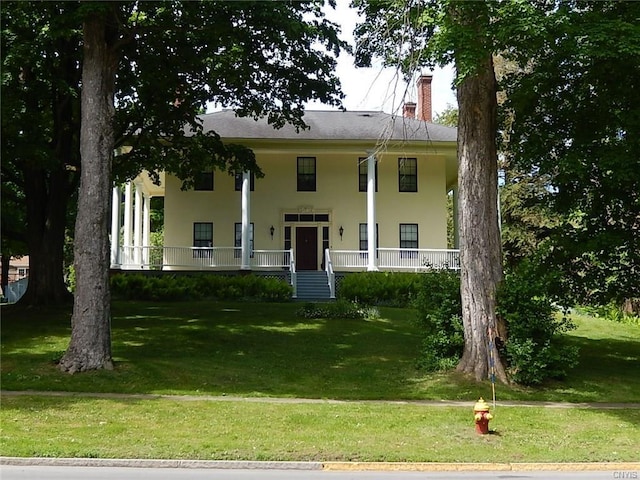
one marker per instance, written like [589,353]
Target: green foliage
[440,317]
[534,350]
[575,108]
[380,288]
[448,117]
[612,312]
[339,309]
[197,287]
[263,59]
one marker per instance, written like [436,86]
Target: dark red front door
[306,248]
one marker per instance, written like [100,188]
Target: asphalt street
[11,472]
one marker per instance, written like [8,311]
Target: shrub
[339,309]
[380,288]
[440,316]
[197,287]
[534,350]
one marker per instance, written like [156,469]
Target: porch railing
[331,276]
[401,259]
[201,258]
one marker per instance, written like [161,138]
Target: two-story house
[355,191]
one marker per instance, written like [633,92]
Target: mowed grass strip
[168,429]
[251,349]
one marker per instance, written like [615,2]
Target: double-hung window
[203,181]
[409,240]
[407,175]
[306,174]
[238,181]
[364,240]
[363,174]
[202,239]
[238,239]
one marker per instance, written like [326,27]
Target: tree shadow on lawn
[233,349]
[608,371]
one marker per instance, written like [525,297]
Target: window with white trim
[364,239]
[408,239]
[203,181]
[238,239]
[238,182]
[407,175]
[202,239]
[363,174]
[306,174]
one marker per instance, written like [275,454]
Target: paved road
[8,472]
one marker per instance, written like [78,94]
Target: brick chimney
[409,110]
[424,98]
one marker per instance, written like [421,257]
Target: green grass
[264,350]
[245,349]
[102,428]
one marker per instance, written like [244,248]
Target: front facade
[326,192]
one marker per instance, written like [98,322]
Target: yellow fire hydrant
[482,416]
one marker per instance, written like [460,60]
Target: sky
[377,88]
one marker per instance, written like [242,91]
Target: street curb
[480,467]
[326,466]
[141,463]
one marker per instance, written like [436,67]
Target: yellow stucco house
[327,192]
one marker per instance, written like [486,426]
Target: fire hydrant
[482,416]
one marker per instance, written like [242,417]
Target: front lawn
[246,349]
[264,350]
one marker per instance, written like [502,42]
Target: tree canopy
[173,60]
[576,109]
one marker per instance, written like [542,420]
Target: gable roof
[331,125]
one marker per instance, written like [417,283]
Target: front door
[306,248]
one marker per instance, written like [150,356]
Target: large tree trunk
[480,249]
[90,346]
[47,195]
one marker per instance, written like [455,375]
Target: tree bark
[480,248]
[90,346]
[46,195]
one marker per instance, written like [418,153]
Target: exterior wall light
[271,230]
[341,231]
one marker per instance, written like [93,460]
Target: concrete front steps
[312,285]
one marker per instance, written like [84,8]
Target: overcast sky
[377,88]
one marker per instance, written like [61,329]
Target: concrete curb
[141,463]
[480,467]
[327,466]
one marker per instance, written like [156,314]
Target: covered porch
[224,259]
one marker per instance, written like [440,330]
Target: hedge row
[199,287]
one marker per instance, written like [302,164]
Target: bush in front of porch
[393,289]
[136,286]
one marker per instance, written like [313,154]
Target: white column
[128,238]
[137,225]
[146,227]
[372,261]
[115,227]
[246,216]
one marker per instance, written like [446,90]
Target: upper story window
[408,175]
[363,174]
[306,174]
[238,181]
[204,181]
